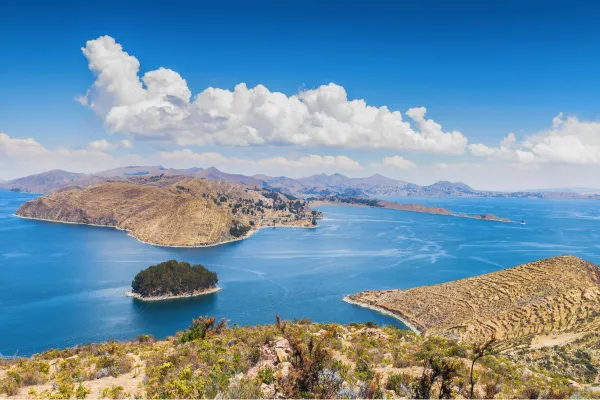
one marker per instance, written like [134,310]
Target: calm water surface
[61,285]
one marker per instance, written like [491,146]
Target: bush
[9,386]
[201,327]
[265,375]
[114,392]
[401,384]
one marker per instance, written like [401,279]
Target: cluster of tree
[366,201]
[173,278]
[280,202]
[238,229]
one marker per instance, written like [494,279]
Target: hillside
[523,304]
[172,211]
[296,360]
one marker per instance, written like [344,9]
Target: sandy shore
[250,233]
[166,297]
[380,310]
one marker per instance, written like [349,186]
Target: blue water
[61,285]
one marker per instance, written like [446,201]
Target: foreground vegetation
[299,360]
[173,278]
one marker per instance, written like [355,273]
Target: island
[171,280]
[174,211]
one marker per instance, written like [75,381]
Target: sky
[499,95]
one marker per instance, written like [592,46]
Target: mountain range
[314,185]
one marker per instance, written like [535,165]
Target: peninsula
[172,279]
[523,304]
[376,203]
[173,210]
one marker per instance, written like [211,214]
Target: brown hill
[551,296]
[172,211]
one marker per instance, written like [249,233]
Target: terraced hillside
[548,297]
[173,211]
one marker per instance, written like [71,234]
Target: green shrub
[265,375]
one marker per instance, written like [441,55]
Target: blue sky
[483,69]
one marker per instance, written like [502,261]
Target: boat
[522,222]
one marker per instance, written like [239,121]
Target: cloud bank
[21,157]
[159,105]
[569,141]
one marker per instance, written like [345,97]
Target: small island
[171,280]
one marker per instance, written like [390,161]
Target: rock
[268,390]
[282,344]
[285,369]
[281,355]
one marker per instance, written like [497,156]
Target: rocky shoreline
[171,297]
[129,233]
[348,299]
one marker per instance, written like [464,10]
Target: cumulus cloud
[19,157]
[569,141]
[160,105]
[105,145]
[398,162]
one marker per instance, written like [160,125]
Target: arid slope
[554,295]
[185,212]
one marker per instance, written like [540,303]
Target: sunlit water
[61,285]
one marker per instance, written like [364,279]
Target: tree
[479,350]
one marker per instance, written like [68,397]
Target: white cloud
[313,163]
[569,141]
[481,150]
[20,157]
[398,162]
[105,145]
[160,105]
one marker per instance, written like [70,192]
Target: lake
[62,285]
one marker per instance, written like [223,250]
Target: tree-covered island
[173,279]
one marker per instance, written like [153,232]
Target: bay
[62,285]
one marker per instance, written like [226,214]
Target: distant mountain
[125,172]
[315,185]
[44,182]
[579,190]
[217,175]
[51,181]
